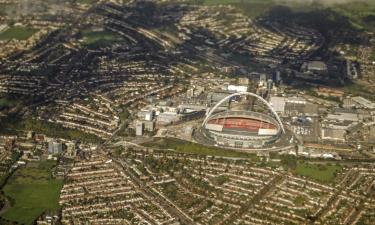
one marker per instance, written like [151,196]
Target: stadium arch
[248,94]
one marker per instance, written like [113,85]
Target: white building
[139,128]
[296,100]
[314,66]
[54,147]
[168,117]
[278,104]
[237,88]
[363,102]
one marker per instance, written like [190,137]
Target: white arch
[245,93]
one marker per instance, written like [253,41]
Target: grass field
[214,2]
[361,14]
[17,32]
[31,191]
[93,37]
[86,1]
[321,173]
[6,102]
[193,148]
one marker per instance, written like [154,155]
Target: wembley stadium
[242,129]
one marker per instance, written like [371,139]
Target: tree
[289,162]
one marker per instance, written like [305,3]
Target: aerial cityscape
[184,112]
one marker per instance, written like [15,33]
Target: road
[143,188]
[246,207]
[155,197]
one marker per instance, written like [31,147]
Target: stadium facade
[242,129]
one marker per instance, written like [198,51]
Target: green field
[17,32]
[215,2]
[32,191]
[193,148]
[321,173]
[86,1]
[95,37]
[7,102]
[361,14]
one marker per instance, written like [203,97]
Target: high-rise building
[149,125]
[54,147]
[139,128]
[149,116]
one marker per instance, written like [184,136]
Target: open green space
[7,102]
[214,2]
[86,1]
[99,37]
[322,173]
[17,32]
[31,191]
[361,14]
[193,148]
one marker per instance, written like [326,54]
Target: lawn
[86,1]
[32,191]
[193,148]
[93,37]
[321,173]
[361,14]
[214,2]
[7,102]
[17,32]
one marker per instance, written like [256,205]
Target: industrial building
[361,102]
[54,147]
[314,66]
[139,128]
